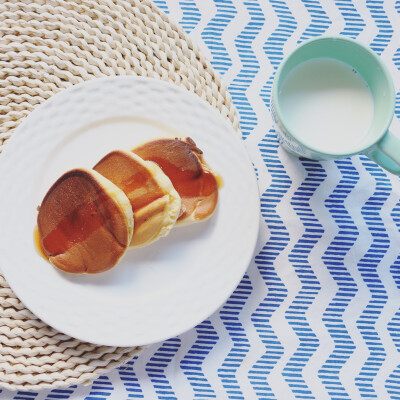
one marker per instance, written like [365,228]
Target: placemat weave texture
[46,46]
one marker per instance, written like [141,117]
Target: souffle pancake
[155,203]
[182,161]
[85,223]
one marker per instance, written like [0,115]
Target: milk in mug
[327,105]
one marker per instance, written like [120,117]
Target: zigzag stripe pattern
[156,366]
[319,20]
[392,384]
[382,39]
[212,34]
[241,83]
[354,23]
[191,15]
[268,336]
[278,240]
[287,25]
[192,362]
[298,257]
[130,380]
[335,261]
[230,317]
[273,47]
[369,263]
[368,268]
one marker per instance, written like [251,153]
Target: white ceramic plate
[156,292]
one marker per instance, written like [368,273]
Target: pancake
[85,223]
[182,161]
[155,203]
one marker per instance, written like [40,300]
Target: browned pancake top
[182,162]
[80,226]
[133,179]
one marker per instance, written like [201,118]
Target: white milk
[327,104]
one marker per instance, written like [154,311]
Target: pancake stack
[90,217]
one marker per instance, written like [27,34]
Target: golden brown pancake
[85,223]
[155,202]
[181,160]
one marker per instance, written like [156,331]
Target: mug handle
[386,153]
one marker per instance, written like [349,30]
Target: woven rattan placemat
[46,46]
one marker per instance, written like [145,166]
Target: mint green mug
[332,97]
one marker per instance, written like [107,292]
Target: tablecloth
[317,314]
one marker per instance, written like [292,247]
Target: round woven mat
[46,46]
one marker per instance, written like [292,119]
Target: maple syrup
[38,244]
[220,180]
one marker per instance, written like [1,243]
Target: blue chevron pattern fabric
[317,315]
